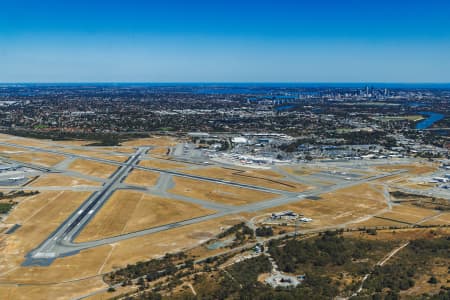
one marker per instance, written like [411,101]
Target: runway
[61,243]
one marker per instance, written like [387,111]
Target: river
[432,118]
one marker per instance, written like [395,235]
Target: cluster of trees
[325,253]
[394,277]
[16,194]
[414,260]
[246,273]
[102,139]
[264,231]
[241,231]
[233,229]
[240,281]
[5,207]
[330,249]
[107,140]
[152,269]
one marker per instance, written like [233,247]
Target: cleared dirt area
[216,192]
[61,180]
[92,168]
[162,164]
[141,177]
[129,211]
[38,158]
[252,177]
[39,216]
[340,207]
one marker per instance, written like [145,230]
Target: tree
[264,231]
[433,280]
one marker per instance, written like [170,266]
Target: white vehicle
[304,219]
[16,178]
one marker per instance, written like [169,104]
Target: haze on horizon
[225,41]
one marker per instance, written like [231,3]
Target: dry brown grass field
[160,141]
[442,219]
[158,244]
[92,168]
[216,192]
[300,171]
[339,207]
[376,222]
[38,158]
[251,177]
[61,180]
[96,154]
[129,211]
[413,169]
[409,213]
[158,151]
[162,164]
[61,291]
[28,142]
[4,150]
[141,177]
[39,216]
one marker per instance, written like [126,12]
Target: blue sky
[225,41]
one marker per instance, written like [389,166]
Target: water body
[285,107]
[428,122]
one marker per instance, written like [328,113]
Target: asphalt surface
[61,242]
[51,248]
